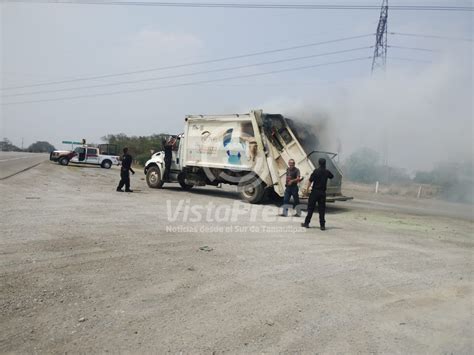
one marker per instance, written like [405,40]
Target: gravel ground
[86,269]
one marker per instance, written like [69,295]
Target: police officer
[319,178]
[125,171]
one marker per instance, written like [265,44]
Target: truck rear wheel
[153,178]
[64,161]
[106,164]
[252,191]
[182,182]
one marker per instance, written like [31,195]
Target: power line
[240,56]
[251,5]
[410,59]
[190,83]
[415,48]
[187,74]
[431,36]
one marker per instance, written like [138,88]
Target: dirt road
[86,269]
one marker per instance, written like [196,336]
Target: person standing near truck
[319,178]
[125,170]
[291,188]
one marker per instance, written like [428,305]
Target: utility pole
[380,52]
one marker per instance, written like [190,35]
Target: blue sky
[48,42]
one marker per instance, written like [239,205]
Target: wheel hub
[250,190]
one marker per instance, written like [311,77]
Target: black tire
[271,195]
[64,161]
[182,182]
[153,178]
[106,164]
[252,191]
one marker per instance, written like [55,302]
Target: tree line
[38,147]
[141,147]
[456,179]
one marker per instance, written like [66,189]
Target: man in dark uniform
[168,157]
[319,178]
[125,171]
[291,188]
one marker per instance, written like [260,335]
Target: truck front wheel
[64,161]
[252,191]
[153,178]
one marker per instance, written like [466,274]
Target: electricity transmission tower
[380,52]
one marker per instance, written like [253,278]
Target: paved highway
[12,162]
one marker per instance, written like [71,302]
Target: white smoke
[412,118]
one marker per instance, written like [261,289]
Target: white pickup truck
[248,150]
[86,155]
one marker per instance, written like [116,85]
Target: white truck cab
[155,166]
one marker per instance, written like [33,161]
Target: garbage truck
[248,150]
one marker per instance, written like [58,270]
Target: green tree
[41,147]
[7,146]
[141,147]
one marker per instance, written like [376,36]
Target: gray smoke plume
[412,118]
